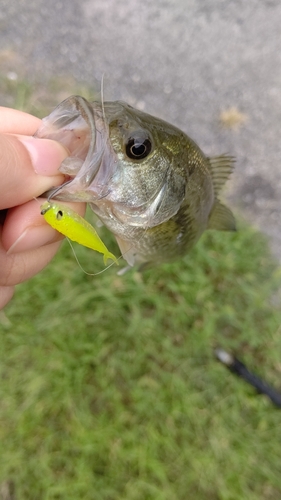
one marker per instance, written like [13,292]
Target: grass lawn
[110,390]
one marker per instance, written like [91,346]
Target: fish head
[125,163]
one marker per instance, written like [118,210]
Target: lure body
[74,227]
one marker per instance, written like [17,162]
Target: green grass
[109,387]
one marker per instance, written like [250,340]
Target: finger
[26,229]
[17,122]
[28,167]
[20,267]
[6,293]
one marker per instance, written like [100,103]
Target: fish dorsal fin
[220,168]
[221,218]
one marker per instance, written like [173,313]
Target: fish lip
[92,178]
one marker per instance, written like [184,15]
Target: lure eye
[59,215]
[138,148]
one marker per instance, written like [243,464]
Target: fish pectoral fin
[220,168]
[128,252]
[221,218]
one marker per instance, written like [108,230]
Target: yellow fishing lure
[74,227]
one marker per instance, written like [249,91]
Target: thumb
[28,167]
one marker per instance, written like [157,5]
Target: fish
[73,226]
[147,181]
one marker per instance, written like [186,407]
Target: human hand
[28,168]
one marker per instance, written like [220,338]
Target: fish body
[147,181]
[72,225]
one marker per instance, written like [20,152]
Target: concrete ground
[212,68]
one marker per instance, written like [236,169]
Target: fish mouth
[82,129]
[93,172]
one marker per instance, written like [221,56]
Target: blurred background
[211,68]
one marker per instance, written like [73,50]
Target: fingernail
[46,155]
[33,237]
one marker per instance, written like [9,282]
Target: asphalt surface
[212,68]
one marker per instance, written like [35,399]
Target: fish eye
[138,148]
[59,215]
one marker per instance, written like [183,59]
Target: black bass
[147,181]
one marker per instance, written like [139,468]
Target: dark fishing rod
[236,366]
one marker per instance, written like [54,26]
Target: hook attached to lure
[74,227]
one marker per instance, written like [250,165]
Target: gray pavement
[185,61]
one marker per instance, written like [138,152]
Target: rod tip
[224,357]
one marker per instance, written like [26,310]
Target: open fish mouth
[81,128]
[94,172]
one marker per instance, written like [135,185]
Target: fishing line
[81,267]
[102,97]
